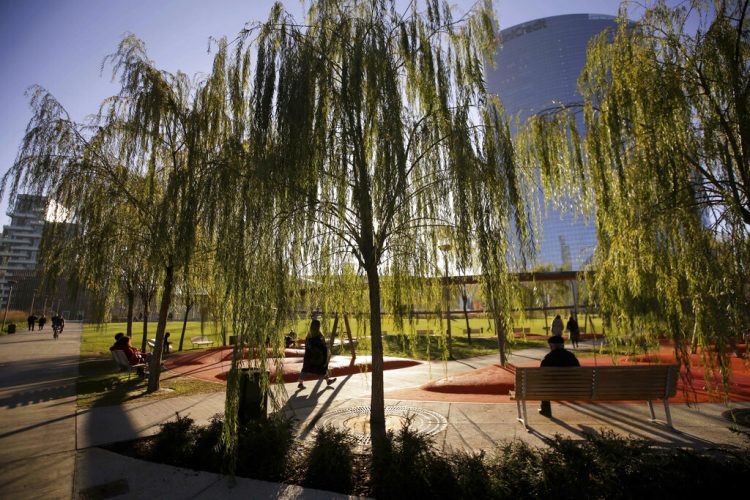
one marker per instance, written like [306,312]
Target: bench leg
[525,419]
[668,413]
[518,410]
[651,408]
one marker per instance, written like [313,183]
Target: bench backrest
[199,339]
[120,358]
[597,383]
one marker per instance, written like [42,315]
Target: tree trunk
[131,307]
[166,299]
[146,312]
[188,306]
[377,398]
[500,332]
[333,332]
[349,336]
[465,299]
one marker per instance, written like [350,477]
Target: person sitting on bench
[135,357]
[559,357]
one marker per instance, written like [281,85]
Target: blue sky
[60,45]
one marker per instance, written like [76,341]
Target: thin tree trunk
[188,306]
[146,312]
[500,332]
[465,299]
[349,336]
[333,331]
[166,299]
[377,398]
[131,307]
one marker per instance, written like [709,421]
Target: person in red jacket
[122,343]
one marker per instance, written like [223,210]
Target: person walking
[42,321]
[316,355]
[31,320]
[575,332]
[557,357]
[557,326]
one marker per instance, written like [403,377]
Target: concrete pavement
[49,448]
[37,413]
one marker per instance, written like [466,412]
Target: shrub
[175,442]
[330,461]
[411,468]
[513,471]
[207,453]
[263,448]
[471,475]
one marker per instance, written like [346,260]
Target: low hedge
[601,466]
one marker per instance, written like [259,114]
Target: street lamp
[445,248]
[7,304]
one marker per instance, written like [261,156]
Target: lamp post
[7,304]
[445,248]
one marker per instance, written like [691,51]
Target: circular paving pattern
[739,417]
[357,420]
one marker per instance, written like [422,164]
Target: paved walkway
[37,413]
[48,449]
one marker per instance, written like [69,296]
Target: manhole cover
[357,420]
[739,417]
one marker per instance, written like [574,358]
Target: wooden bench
[596,383]
[201,340]
[473,330]
[425,332]
[121,360]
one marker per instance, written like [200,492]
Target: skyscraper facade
[538,65]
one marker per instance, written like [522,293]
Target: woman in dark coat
[575,332]
[316,355]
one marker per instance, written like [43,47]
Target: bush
[330,461]
[412,468]
[175,442]
[601,466]
[207,453]
[471,474]
[611,467]
[263,448]
[513,471]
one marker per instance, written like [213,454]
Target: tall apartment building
[19,243]
[537,67]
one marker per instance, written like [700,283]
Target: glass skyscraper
[537,67]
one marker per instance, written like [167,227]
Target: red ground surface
[485,385]
[491,384]
[213,364]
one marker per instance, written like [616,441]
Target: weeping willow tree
[145,155]
[666,165]
[367,140]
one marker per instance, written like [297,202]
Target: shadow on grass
[100,383]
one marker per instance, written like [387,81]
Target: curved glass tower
[537,67]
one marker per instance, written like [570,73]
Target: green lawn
[458,324]
[100,383]
[98,338]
